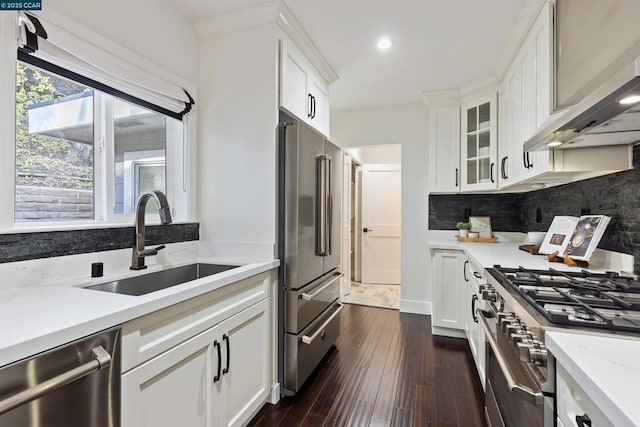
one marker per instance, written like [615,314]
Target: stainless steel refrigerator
[309,250]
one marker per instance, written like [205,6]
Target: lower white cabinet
[449,292]
[574,407]
[208,361]
[456,295]
[220,377]
[475,333]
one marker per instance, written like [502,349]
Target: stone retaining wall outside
[52,204]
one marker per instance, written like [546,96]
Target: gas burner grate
[584,298]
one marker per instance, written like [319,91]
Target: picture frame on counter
[481,225]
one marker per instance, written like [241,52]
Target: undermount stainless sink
[146,283]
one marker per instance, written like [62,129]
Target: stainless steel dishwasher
[75,385]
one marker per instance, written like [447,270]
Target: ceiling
[438,44]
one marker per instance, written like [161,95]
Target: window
[82,154]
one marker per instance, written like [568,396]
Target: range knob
[533,352]
[524,337]
[489,294]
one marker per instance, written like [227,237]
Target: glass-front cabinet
[479,144]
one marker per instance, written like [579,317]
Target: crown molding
[480,87]
[296,33]
[236,20]
[269,12]
[517,35]
[441,98]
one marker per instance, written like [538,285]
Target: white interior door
[345,287]
[381,224]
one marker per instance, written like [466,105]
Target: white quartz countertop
[607,369]
[507,254]
[37,318]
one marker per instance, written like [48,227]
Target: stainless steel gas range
[520,306]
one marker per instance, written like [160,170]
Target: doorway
[371,226]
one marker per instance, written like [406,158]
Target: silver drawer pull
[312,295]
[524,392]
[101,359]
[309,339]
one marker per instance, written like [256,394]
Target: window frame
[179,155]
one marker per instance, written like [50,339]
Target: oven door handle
[526,393]
[308,297]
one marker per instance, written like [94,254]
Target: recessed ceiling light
[384,43]
[632,99]
[554,144]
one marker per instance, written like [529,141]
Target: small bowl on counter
[536,237]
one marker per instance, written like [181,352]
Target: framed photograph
[481,224]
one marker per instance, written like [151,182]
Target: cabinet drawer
[572,401]
[150,335]
[303,354]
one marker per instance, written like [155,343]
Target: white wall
[405,125]
[149,28]
[237,144]
[377,154]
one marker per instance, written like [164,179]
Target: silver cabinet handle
[101,359]
[308,297]
[524,392]
[309,339]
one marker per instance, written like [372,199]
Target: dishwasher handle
[101,359]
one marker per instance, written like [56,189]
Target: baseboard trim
[275,394]
[448,332]
[415,307]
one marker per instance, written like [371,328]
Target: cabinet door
[479,144]
[319,117]
[294,79]
[173,389]
[444,149]
[449,289]
[246,360]
[504,155]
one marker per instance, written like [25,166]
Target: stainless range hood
[597,120]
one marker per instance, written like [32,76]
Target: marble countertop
[506,254]
[607,369]
[36,318]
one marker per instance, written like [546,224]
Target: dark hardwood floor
[387,369]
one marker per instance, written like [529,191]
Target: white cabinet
[479,144]
[207,361]
[449,292]
[475,333]
[444,149]
[302,91]
[525,103]
[217,378]
[574,404]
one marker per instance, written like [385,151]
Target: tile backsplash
[37,245]
[616,195]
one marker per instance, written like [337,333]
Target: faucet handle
[152,251]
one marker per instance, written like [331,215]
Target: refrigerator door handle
[321,205]
[329,205]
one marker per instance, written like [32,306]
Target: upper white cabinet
[444,149]
[302,90]
[479,149]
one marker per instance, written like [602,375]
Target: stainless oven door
[513,395]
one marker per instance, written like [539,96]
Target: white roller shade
[70,52]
